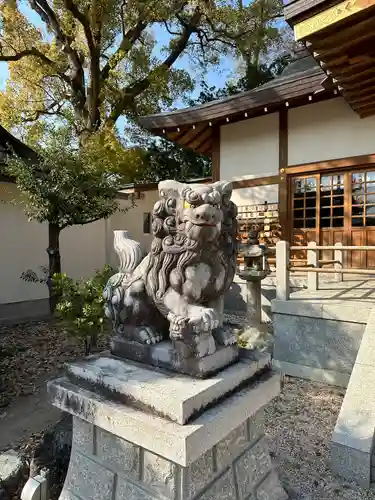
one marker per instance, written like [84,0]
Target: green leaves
[70,186]
[31,276]
[80,305]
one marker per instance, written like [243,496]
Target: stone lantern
[253,270]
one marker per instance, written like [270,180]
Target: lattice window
[363,199]
[304,203]
[332,201]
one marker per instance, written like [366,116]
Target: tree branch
[82,19]
[174,33]
[132,91]
[44,112]
[46,13]
[93,43]
[128,40]
[226,33]
[76,82]
[35,53]
[17,56]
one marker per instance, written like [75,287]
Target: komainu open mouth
[204,224]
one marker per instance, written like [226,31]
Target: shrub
[80,306]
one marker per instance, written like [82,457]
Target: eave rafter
[345,49]
[199,136]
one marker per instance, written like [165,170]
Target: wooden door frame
[289,182]
[340,163]
[347,171]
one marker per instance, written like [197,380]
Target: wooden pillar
[216,153]
[282,270]
[283,185]
[339,264]
[313,261]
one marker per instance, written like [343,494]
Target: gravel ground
[28,353]
[299,424]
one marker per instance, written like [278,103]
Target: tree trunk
[87,344]
[94,341]
[54,261]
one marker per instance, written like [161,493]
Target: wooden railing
[314,265]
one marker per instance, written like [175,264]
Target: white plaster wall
[250,148]
[328,130]
[83,249]
[131,221]
[22,247]
[256,195]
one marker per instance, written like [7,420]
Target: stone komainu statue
[177,290]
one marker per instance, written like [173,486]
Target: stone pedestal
[146,434]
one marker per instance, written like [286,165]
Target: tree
[165,159]
[67,186]
[262,57]
[88,62]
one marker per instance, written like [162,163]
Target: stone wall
[318,337]
[106,467]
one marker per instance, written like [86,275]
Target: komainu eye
[187,204]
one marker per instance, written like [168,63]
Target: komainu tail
[129,252]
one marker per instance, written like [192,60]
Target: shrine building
[299,149]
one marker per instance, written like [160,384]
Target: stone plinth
[318,334]
[168,394]
[125,450]
[165,355]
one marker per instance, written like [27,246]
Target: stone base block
[123,453]
[121,471]
[163,355]
[351,464]
[12,467]
[168,394]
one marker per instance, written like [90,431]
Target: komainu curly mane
[172,250]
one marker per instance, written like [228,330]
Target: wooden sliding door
[333,189]
[304,210]
[334,207]
[361,230]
